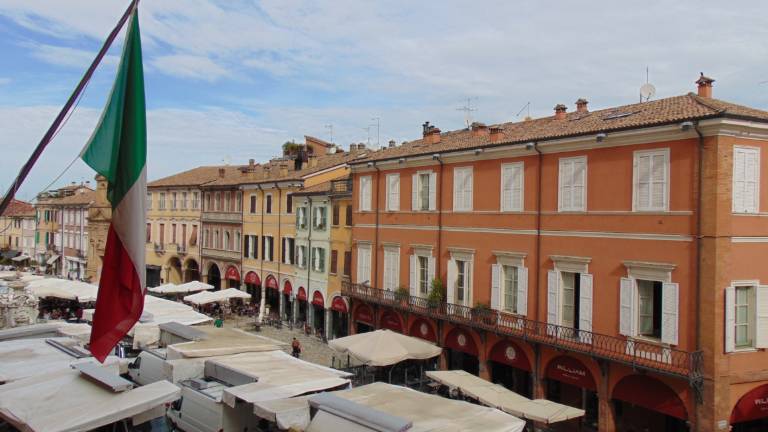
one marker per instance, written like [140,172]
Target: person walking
[296,348]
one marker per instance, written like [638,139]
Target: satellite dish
[647,91]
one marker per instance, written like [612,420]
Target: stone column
[328,324]
[484,371]
[281,308]
[295,309]
[605,420]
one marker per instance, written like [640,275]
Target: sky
[231,80]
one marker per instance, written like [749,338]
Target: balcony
[226,217]
[637,354]
[159,248]
[181,249]
[341,187]
[222,254]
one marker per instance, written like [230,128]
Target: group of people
[62,310]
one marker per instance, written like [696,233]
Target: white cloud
[190,66]
[66,56]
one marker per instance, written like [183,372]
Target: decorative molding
[572,264]
[649,270]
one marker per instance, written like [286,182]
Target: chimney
[283,170]
[495,134]
[267,170]
[361,146]
[251,163]
[560,111]
[392,143]
[430,133]
[581,105]
[705,85]
[221,172]
[479,129]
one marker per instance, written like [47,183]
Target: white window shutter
[553,296]
[495,290]
[669,313]
[506,187]
[468,189]
[752,176]
[730,319]
[585,307]
[522,291]
[458,195]
[432,191]
[579,185]
[415,192]
[414,281]
[430,271]
[626,307]
[761,317]
[450,284]
[562,185]
[396,269]
[517,187]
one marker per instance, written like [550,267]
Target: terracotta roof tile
[19,208]
[84,196]
[193,177]
[653,113]
[319,188]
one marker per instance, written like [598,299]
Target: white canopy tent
[21,257]
[188,287]
[425,412]
[206,297]
[497,396]
[64,400]
[64,289]
[384,348]
[222,341]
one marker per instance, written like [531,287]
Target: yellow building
[174,210]
[17,232]
[340,194]
[99,218]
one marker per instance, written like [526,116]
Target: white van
[147,368]
[200,409]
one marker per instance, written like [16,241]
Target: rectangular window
[347,263]
[744,316]
[320,218]
[746,179]
[301,218]
[318,259]
[238,201]
[461,281]
[184,200]
[301,256]
[462,189]
[173,233]
[423,275]
[393,192]
[512,187]
[651,180]
[218,201]
[335,215]
[269,204]
[254,247]
[253,204]
[289,203]
[391,268]
[364,264]
[510,288]
[572,181]
[569,300]
[247,246]
[149,201]
[195,200]
[649,308]
[334,261]
[162,234]
[348,216]
[161,204]
[365,193]
[184,235]
[173,201]
[423,188]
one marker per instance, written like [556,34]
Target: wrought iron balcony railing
[636,353]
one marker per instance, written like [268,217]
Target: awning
[391,320]
[650,393]
[339,304]
[64,289]
[287,288]
[571,371]
[338,414]
[21,258]
[52,259]
[285,413]
[363,314]
[64,400]
[252,278]
[751,406]
[222,341]
[317,299]
[206,297]
[272,282]
[384,348]
[232,274]
[497,396]
[302,294]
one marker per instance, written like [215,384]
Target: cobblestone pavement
[313,349]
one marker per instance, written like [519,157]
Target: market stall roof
[384,347]
[430,412]
[22,358]
[21,257]
[162,289]
[285,413]
[64,289]
[336,413]
[64,400]
[279,375]
[497,396]
[193,286]
[206,297]
[52,259]
[49,329]
[222,341]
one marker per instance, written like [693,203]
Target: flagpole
[64,110]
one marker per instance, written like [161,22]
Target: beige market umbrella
[384,348]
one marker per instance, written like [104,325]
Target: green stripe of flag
[118,147]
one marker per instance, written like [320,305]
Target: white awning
[21,258]
[206,297]
[64,400]
[222,341]
[64,289]
[52,259]
[497,396]
[384,347]
[193,286]
[285,413]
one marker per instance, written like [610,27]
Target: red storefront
[339,320]
[287,300]
[657,407]
[391,320]
[569,381]
[233,277]
[461,351]
[511,367]
[422,328]
[363,318]
[273,294]
[301,297]
[318,311]
[253,286]
[751,411]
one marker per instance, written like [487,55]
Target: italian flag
[118,151]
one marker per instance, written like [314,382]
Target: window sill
[649,340]
[744,350]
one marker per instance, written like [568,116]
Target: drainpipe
[263,288]
[698,233]
[375,278]
[439,205]
[309,260]
[538,230]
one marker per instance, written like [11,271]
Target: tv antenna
[330,128]
[378,131]
[525,107]
[468,111]
[647,90]
[367,130]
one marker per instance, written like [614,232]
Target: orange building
[604,259]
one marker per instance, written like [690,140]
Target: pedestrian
[296,348]
[79,314]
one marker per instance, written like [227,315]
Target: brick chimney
[283,170]
[430,133]
[495,134]
[267,171]
[560,111]
[478,129]
[221,172]
[312,161]
[581,105]
[705,85]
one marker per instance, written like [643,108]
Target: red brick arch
[424,329]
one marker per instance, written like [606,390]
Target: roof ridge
[699,100]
